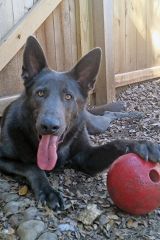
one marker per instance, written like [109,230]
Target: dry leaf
[23,190]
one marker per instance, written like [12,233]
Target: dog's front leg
[37,179]
[42,188]
[97,159]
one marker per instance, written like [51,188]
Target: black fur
[55,103]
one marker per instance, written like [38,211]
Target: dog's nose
[49,126]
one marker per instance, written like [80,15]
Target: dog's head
[56,98]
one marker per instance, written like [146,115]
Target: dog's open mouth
[47,152]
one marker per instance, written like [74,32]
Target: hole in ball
[154,176]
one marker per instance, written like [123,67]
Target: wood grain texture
[141,34]
[73,32]
[85,26]
[50,42]
[137,76]
[109,49]
[119,35]
[6,17]
[100,94]
[28,25]
[59,41]
[10,78]
[41,36]
[130,51]
[66,34]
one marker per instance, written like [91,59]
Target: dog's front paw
[51,198]
[147,150]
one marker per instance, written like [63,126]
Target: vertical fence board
[85,26]
[50,42]
[109,50]
[59,39]
[155,32]
[74,50]
[65,18]
[149,53]
[130,36]
[78,30]
[6,17]
[119,36]
[98,36]
[18,10]
[40,34]
[141,31]
[10,77]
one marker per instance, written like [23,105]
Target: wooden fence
[137,40]
[127,31]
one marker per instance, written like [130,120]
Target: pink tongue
[47,152]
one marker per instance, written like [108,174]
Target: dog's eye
[40,93]
[68,96]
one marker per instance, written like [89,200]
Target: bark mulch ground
[90,214]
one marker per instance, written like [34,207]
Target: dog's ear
[33,59]
[86,70]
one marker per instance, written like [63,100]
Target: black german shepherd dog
[46,126]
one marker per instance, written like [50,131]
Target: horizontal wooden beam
[15,39]
[124,79]
[5,101]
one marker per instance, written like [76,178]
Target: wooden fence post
[103,37]
[109,48]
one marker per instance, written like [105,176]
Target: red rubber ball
[134,184]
